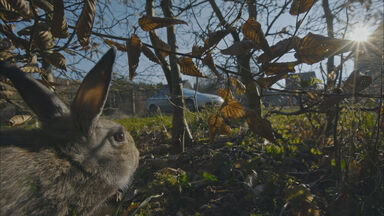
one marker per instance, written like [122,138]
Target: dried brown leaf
[232,109]
[59,26]
[225,93]
[85,22]
[215,37]
[314,48]
[56,59]
[259,126]
[149,54]
[21,7]
[134,50]
[165,48]
[301,6]
[18,42]
[252,30]
[118,46]
[44,4]
[238,48]
[239,86]
[4,55]
[7,13]
[42,37]
[18,120]
[217,126]
[279,49]
[31,69]
[208,61]
[152,23]
[197,50]
[187,67]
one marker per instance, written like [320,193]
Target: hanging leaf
[161,45]
[259,126]
[239,86]
[149,54]
[197,50]
[42,37]
[21,7]
[7,13]
[279,49]
[118,46]
[267,82]
[232,109]
[238,48]
[208,61]
[44,4]
[187,67]
[301,6]
[18,120]
[133,51]
[225,93]
[215,37]
[85,22]
[278,68]
[314,48]
[152,23]
[59,26]
[217,126]
[4,55]
[57,60]
[252,30]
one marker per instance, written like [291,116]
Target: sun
[359,34]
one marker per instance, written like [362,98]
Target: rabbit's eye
[119,137]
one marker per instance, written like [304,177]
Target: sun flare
[359,34]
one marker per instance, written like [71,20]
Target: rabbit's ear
[43,102]
[91,96]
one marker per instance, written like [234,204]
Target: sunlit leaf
[267,82]
[208,61]
[278,68]
[225,93]
[152,23]
[252,30]
[4,55]
[56,59]
[59,26]
[18,120]
[217,126]
[232,109]
[259,126]
[239,86]
[85,22]
[187,67]
[134,50]
[161,45]
[149,54]
[314,48]
[31,69]
[279,49]
[118,46]
[301,6]
[238,48]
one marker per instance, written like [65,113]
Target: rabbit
[75,160]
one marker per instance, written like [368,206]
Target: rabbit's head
[100,147]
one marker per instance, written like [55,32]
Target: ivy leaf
[152,23]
